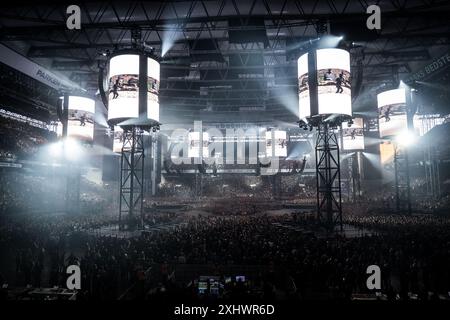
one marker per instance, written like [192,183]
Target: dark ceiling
[229,56]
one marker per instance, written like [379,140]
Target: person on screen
[339,82]
[386,114]
[83,120]
[115,88]
[328,76]
[352,134]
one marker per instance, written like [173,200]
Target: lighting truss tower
[402,183]
[132,178]
[351,177]
[328,177]
[354,175]
[432,175]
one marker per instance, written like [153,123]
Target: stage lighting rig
[132,102]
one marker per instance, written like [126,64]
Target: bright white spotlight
[329,41]
[72,149]
[168,40]
[55,150]
[406,138]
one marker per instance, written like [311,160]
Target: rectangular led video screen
[280,143]
[80,123]
[153,81]
[392,118]
[304,109]
[194,145]
[353,136]
[333,79]
[123,95]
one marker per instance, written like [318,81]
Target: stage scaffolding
[432,174]
[402,180]
[131,197]
[328,177]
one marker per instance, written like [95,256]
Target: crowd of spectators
[412,252]
[20,140]
[27,191]
[237,186]
[20,191]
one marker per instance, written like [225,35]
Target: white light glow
[66,149]
[406,138]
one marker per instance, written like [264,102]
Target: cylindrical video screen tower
[80,118]
[324,85]
[353,135]
[392,112]
[133,87]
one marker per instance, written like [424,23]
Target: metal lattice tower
[131,179]
[328,178]
[432,174]
[354,176]
[351,176]
[402,183]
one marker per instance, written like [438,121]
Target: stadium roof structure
[230,59]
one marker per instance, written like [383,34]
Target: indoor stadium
[225,156]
